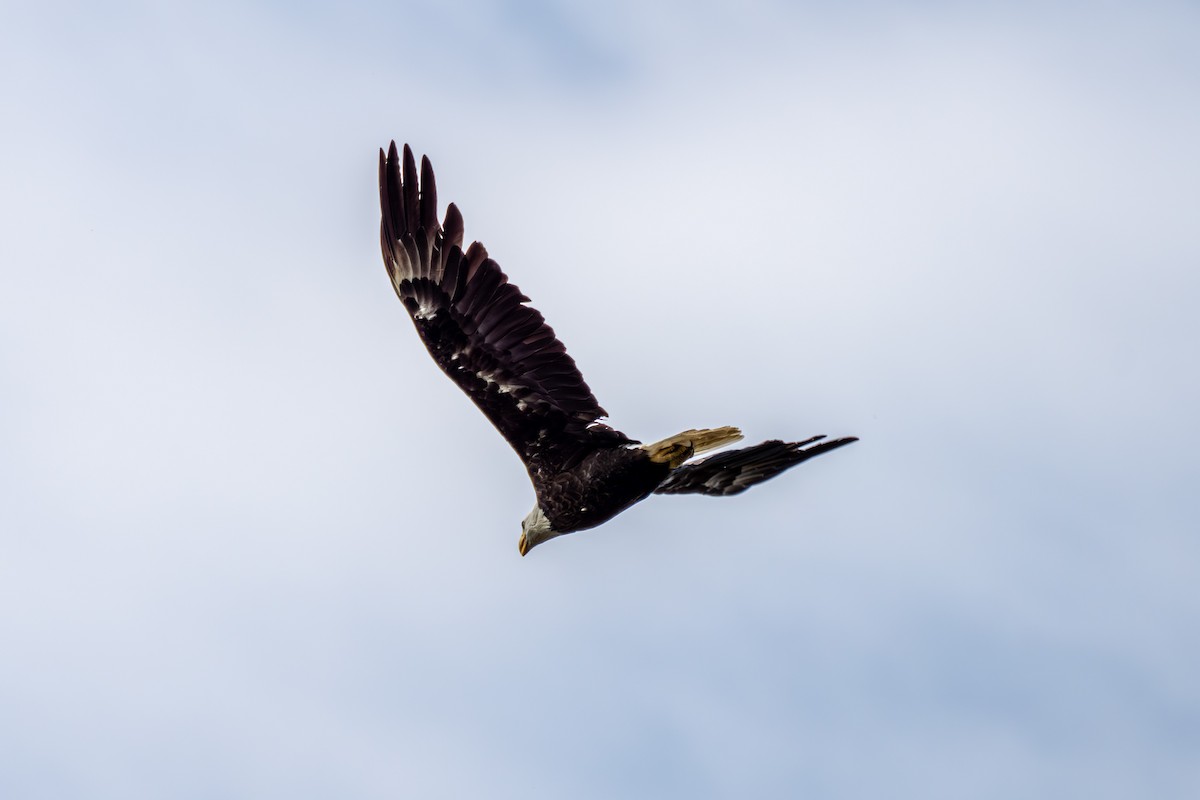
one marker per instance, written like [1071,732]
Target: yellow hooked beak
[523,544]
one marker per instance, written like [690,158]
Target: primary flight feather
[502,353]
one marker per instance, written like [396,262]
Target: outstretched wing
[737,470]
[477,327]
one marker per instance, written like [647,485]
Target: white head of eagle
[535,529]
[481,332]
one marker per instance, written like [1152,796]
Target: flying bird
[500,351]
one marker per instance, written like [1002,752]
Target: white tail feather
[679,448]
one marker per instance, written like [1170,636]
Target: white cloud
[254,543]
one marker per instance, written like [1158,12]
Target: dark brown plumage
[502,354]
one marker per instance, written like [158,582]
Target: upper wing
[737,470]
[477,327]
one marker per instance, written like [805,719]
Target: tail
[682,446]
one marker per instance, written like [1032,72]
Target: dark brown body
[606,482]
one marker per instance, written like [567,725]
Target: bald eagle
[502,353]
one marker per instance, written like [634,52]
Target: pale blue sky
[254,544]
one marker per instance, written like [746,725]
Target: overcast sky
[254,544]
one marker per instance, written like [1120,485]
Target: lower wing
[737,470]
